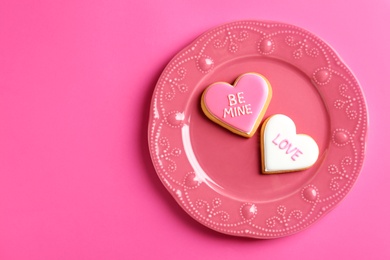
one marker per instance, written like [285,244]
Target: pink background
[76,179]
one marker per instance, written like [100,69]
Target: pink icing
[238,106]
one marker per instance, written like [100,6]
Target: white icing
[284,150]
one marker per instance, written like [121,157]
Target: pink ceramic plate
[214,174]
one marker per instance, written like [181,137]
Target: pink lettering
[292,150]
[274,141]
[296,154]
[283,144]
[288,146]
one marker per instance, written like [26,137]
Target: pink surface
[76,179]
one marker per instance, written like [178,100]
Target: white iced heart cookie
[282,149]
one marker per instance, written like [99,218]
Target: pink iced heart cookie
[238,107]
[282,149]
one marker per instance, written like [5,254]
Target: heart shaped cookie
[282,149]
[238,107]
